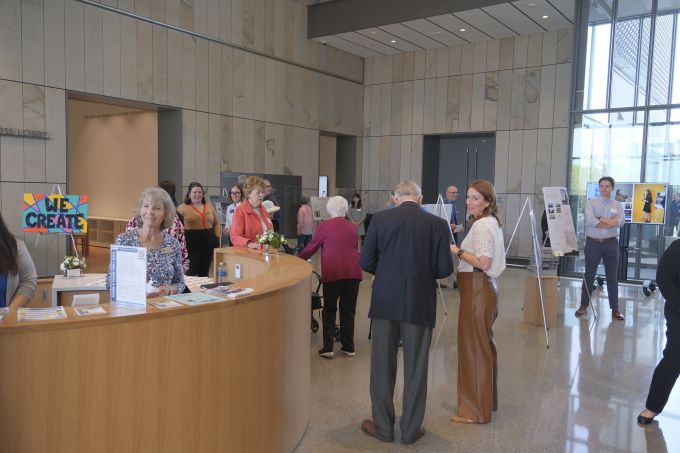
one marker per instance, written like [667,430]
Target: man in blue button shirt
[604,217]
[451,197]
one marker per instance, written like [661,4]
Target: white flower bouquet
[73,265]
[271,238]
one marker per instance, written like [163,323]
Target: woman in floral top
[155,213]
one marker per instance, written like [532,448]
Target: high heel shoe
[643,421]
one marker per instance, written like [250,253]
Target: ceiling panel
[455,25]
[566,7]
[486,23]
[435,32]
[347,46]
[369,43]
[513,18]
[411,35]
[390,39]
[543,13]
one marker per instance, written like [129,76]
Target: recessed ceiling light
[436,32]
[373,33]
[392,41]
[462,29]
[544,17]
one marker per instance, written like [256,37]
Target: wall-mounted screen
[642,202]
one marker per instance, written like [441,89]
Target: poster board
[560,220]
[319,211]
[54,213]
[441,210]
[643,202]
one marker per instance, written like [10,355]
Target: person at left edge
[407,249]
[18,277]
[154,214]
[202,229]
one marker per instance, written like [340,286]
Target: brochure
[228,291]
[40,314]
[164,305]
[89,310]
[195,298]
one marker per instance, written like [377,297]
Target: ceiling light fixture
[462,29]
[373,33]
[392,41]
[544,17]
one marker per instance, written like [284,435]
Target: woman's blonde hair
[157,195]
[251,183]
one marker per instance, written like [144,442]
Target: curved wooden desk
[229,376]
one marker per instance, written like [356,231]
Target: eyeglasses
[236,193]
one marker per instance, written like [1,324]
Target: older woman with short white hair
[340,274]
[155,212]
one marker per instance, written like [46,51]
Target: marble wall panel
[531,99]
[269,147]
[419,65]
[513,205]
[501,163]
[396,95]
[214,78]
[143,7]
[452,103]
[227,82]
[467,58]
[515,144]
[312,105]
[259,25]
[374,163]
[55,125]
[543,158]
[239,82]
[160,65]
[507,53]
[288,27]
[128,59]
[565,43]
[237,22]
[416,159]
[188,147]
[559,154]
[386,69]
[289,94]
[111,46]
[549,50]
[490,100]
[74,40]
[376,109]
[54,26]
[479,57]
[407,108]
[430,63]
[213,18]
[202,75]
[34,118]
[429,105]
[269,26]
[301,91]
[504,100]
[397,67]
[493,49]
[520,51]
[478,101]
[226,140]
[547,97]
[214,153]
[237,143]
[384,163]
[10,39]
[11,148]
[394,160]
[186,15]
[202,146]
[405,157]
[277,154]
[441,98]
[529,161]
[518,98]
[454,60]
[535,49]
[94,65]
[279,112]
[465,110]
[409,65]
[385,108]
[442,62]
[365,162]
[32,41]
[368,71]
[562,94]
[145,62]
[368,89]
[418,104]
[248,145]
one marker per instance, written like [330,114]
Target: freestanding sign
[54,213]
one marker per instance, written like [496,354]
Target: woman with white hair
[340,274]
[154,214]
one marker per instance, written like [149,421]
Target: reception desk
[228,376]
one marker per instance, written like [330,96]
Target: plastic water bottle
[221,273]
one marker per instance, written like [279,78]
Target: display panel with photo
[641,202]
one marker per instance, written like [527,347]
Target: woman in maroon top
[340,274]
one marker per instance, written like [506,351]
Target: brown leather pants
[477,360]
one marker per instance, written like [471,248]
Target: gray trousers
[606,250]
[416,346]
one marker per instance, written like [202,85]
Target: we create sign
[54,213]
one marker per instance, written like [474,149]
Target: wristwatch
[460,253]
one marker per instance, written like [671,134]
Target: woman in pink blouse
[305,223]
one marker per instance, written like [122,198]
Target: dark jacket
[668,278]
[407,249]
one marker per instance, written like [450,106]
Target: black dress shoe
[643,421]
[369,428]
[414,439]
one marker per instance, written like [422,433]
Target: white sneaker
[348,353]
[326,354]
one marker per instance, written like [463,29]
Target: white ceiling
[483,24]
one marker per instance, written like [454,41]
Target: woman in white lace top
[482,259]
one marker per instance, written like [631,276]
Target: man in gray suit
[407,249]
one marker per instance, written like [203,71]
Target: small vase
[73,273]
[266,249]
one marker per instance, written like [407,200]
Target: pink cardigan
[246,225]
[337,239]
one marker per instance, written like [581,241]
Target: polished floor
[581,394]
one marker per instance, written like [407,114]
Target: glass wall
[626,113]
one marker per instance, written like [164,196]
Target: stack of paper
[230,291]
[194,298]
[89,310]
[40,314]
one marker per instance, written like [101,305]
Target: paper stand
[73,241]
[438,210]
[535,244]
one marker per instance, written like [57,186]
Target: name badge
[613,210]
[167,249]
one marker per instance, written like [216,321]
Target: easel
[73,241]
[537,257]
[438,211]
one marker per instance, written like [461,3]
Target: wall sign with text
[54,213]
[25,133]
